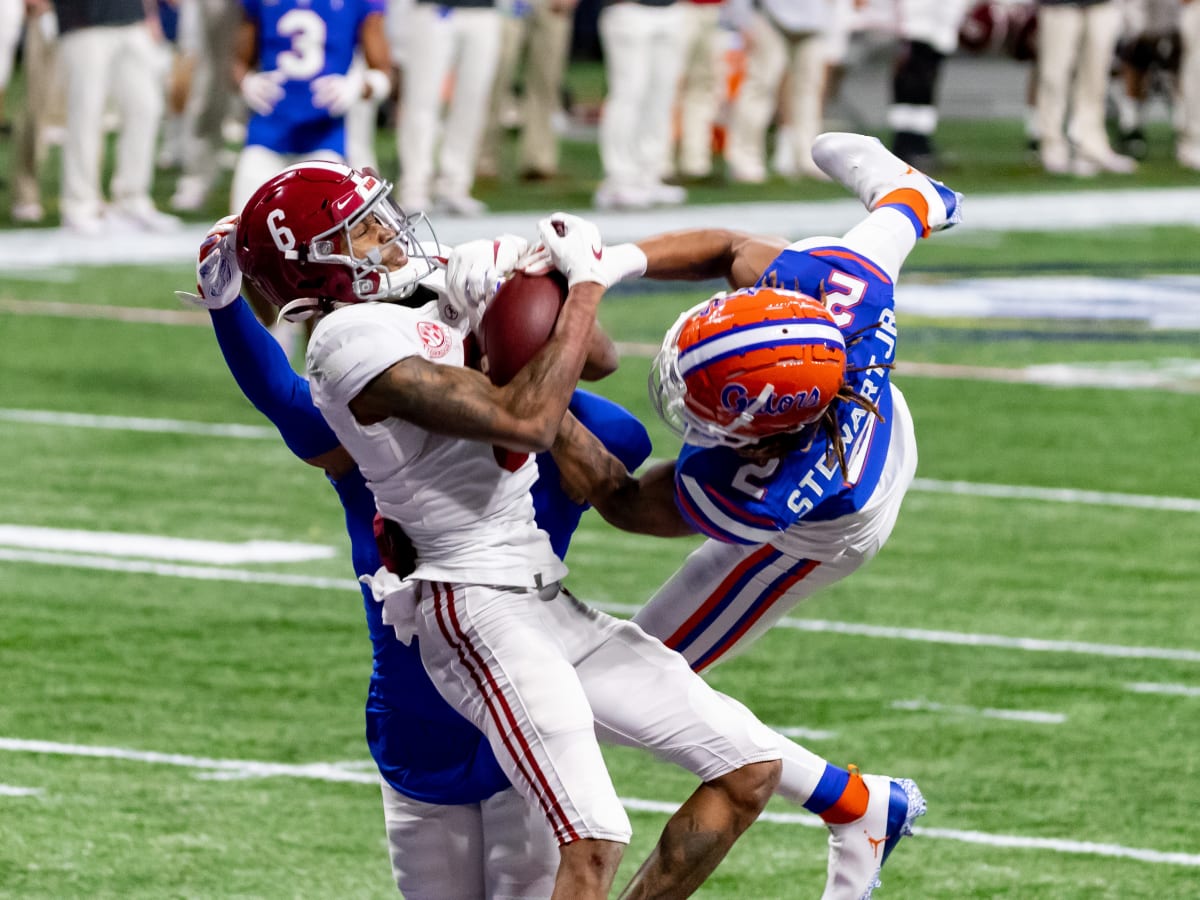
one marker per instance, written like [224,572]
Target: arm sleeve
[261,369]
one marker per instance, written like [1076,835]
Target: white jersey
[470,520]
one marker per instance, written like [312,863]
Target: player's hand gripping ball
[519,320]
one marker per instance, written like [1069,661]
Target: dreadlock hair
[828,423]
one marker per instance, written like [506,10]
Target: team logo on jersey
[434,337]
[736,398]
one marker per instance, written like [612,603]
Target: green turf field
[1025,646]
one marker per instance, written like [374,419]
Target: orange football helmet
[748,365]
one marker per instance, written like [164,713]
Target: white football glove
[337,93]
[475,271]
[574,247]
[218,276]
[262,90]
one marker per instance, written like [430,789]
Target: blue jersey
[303,40]
[727,497]
[422,746]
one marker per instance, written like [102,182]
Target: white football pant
[499,848]
[539,673]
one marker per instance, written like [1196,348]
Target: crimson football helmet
[749,365]
[294,247]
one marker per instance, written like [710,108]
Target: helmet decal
[748,365]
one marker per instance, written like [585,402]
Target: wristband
[379,84]
[623,261]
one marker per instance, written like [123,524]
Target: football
[518,321]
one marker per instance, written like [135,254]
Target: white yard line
[1031,645]
[1057,495]
[136,423]
[1027,644]
[145,567]
[351,772]
[1036,717]
[1152,687]
[11,790]
[153,546]
[141,315]
[23,249]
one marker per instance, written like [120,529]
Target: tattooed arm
[703,253]
[523,415]
[591,474]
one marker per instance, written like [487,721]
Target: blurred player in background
[1187,146]
[12,19]
[42,103]
[1076,40]
[535,39]
[455,42]
[111,50]
[1149,67]
[455,826]
[642,42]
[797,451]
[294,66]
[929,33]
[206,36]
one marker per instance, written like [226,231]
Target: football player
[797,449]
[455,826]
[530,666]
[293,67]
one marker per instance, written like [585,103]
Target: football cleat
[866,167]
[858,849]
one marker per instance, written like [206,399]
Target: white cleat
[871,171]
[858,849]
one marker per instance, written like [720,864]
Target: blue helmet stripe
[761,335]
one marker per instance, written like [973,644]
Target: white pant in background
[125,63]
[360,126]
[1080,40]
[441,41]
[703,87]
[774,52]
[537,42]
[12,18]
[498,848]
[1188,148]
[642,61]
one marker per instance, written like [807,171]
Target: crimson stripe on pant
[500,712]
